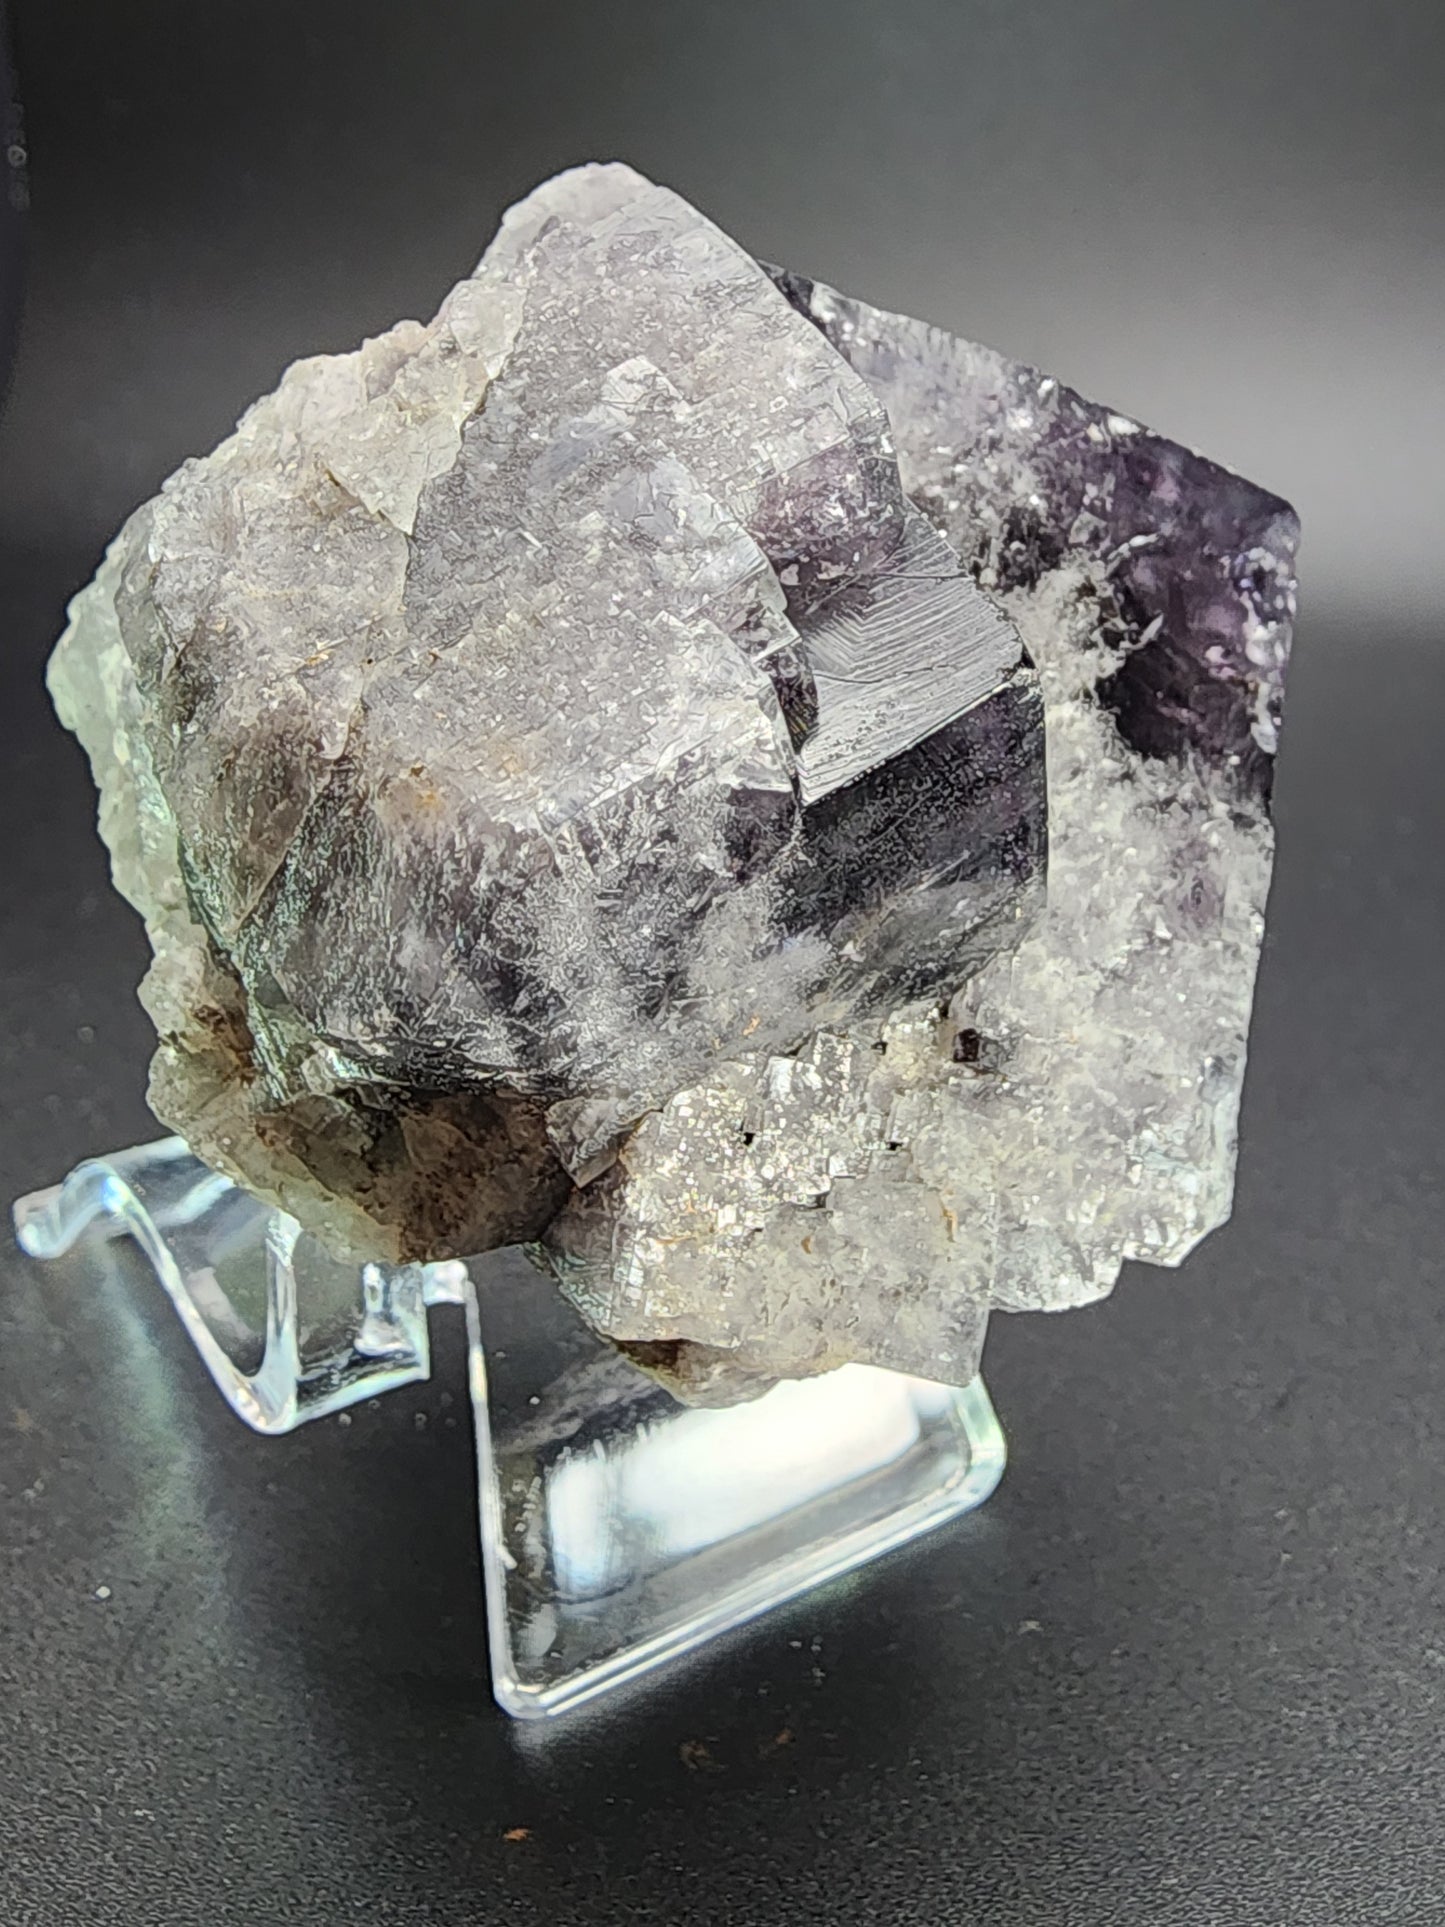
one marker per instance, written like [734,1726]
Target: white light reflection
[698,1478]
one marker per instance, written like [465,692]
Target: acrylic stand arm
[194,1226]
[619,1528]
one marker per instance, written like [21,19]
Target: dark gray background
[1189,1665]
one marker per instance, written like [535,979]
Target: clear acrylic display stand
[619,1527]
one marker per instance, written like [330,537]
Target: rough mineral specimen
[583,776]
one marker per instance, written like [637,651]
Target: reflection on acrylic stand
[619,1527]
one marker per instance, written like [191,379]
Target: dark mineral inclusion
[582,766]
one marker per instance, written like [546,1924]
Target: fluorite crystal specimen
[581,764]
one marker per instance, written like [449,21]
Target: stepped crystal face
[582,764]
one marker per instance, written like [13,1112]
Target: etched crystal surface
[583,776]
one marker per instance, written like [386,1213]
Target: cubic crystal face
[582,767]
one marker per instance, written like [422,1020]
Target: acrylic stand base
[619,1528]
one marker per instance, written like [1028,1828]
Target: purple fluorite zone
[1198,561]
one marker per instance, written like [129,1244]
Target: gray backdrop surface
[1189,1665]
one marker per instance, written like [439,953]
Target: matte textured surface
[1188,1666]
